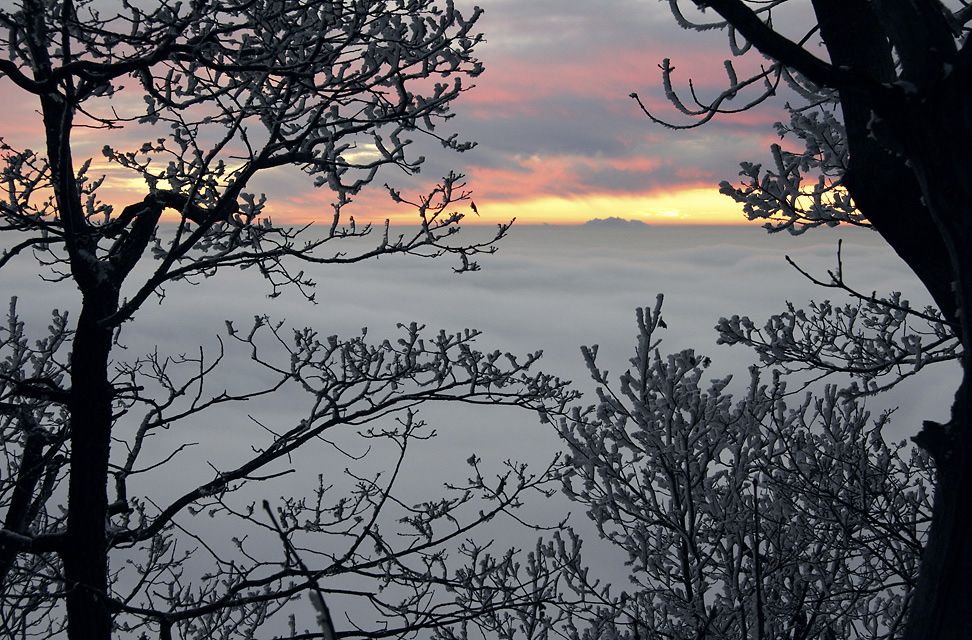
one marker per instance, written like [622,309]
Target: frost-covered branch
[780,194]
[877,341]
[743,516]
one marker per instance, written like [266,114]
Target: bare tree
[767,516]
[894,157]
[106,518]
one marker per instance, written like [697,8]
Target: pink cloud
[552,114]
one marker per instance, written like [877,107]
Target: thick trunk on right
[940,608]
[879,179]
[911,175]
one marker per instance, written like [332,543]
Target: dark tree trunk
[908,118]
[85,554]
[911,176]
[882,184]
[940,607]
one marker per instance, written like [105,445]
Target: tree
[768,516]
[224,92]
[896,158]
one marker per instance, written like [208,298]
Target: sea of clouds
[549,288]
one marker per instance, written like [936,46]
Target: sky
[559,142]
[559,139]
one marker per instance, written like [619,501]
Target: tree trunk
[85,548]
[85,554]
[940,605]
[882,184]
[910,175]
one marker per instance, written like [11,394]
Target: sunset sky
[560,140]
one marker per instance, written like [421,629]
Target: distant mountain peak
[615,222]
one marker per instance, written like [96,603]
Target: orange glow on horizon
[699,205]
[692,206]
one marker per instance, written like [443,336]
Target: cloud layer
[551,288]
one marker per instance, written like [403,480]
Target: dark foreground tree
[109,523]
[896,158]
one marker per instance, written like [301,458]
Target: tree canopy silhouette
[220,93]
